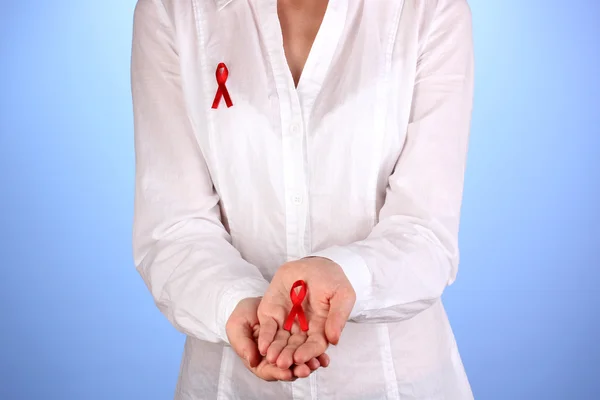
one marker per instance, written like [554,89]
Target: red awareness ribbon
[297,299]
[222,74]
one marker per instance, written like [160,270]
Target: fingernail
[246,357]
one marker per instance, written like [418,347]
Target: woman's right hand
[242,330]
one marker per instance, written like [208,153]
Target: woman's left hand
[327,306]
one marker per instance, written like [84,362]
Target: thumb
[242,341]
[240,331]
[340,307]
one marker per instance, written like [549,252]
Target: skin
[300,21]
[327,306]
[243,330]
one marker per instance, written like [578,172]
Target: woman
[300,139]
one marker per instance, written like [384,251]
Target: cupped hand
[243,330]
[327,306]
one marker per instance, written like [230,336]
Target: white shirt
[362,163]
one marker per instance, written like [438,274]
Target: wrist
[236,294]
[354,269]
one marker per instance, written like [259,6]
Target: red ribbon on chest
[222,73]
[297,310]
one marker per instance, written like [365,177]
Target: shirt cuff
[245,288]
[356,269]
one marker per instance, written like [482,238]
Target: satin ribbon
[222,73]
[297,310]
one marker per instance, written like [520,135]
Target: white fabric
[363,163]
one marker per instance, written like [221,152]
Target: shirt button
[297,199]
[295,128]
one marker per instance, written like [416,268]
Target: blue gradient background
[77,321]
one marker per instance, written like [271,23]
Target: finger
[279,343]
[301,371]
[340,307]
[268,329]
[286,358]
[241,340]
[270,372]
[324,360]
[314,346]
[313,364]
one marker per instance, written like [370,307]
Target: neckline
[319,57]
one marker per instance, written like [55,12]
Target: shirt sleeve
[181,248]
[411,255]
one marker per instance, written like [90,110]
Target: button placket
[292,135]
[298,187]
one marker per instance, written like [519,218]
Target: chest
[300,22]
[329,89]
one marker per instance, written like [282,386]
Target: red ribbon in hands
[222,74]
[297,299]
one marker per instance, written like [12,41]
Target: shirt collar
[222,3]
